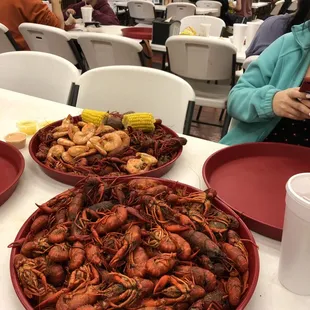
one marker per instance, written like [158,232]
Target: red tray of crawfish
[72,178]
[173,187]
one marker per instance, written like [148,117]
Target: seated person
[276,26]
[266,102]
[102,13]
[242,12]
[15,12]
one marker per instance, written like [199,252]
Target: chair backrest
[139,89]
[7,43]
[180,10]
[208,4]
[293,7]
[217,24]
[201,58]
[248,61]
[141,9]
[103,50]
[37,74]
[47,39]
[175,1]
[277,8]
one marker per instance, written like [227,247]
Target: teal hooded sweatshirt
[282,65]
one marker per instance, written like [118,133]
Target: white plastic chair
[52,40]
[175,1]
[139,89]
[101,50]
[180,10]
[217,24]
[202,59]
[245,65]
[277,8]
[7,43]
[141,10]
[212,5]
[37,74]
[293,7]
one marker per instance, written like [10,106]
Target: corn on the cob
[142,121]
[95,117]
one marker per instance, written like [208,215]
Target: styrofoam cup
[239,34]
[87,13]
[48,4]
[205,30]
[251,32]
[294,267]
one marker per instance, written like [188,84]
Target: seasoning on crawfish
[106,150]
[142,244]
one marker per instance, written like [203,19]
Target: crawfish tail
[199,240]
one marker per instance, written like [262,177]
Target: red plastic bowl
[243,231]
[72,179]
[12,165]
[142,33]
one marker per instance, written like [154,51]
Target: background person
[102,13]
[15,12]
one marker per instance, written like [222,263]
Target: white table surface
[36,187]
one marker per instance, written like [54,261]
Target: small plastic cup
[205,30]
[87,13]
[27,127]
[17,139]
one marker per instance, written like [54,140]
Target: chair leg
[222,114]
[199,112]
[226,124]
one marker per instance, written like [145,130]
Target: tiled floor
[207,132]
[208,115]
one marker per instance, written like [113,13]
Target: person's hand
[291,103]
[70,11]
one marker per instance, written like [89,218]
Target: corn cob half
[93,116]
[142,121]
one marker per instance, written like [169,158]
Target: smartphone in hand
[305,86]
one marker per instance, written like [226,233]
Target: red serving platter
[243,231]
[142,33]
[72,179]
[250,178]
[12,165]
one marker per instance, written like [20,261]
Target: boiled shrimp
[81,137]
[148,159]
[64,125]
[60,134]
[65,142]
[77,150]
[95,142]
[111,141]
[66,157]
[136,165]
[125,138]
[55,151]
[72,130]
[103,129]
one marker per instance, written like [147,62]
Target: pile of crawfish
[106,150]
[138,244]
